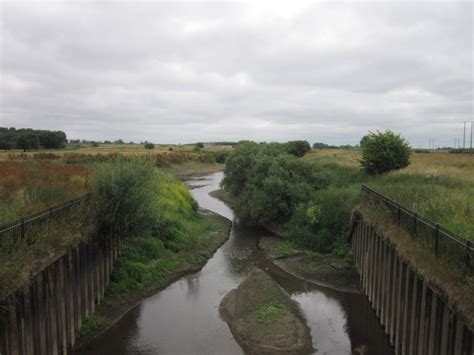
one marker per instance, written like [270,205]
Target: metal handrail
[449,234]
[43,214]
[465,247]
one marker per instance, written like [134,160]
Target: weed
[91,324]
[270,312]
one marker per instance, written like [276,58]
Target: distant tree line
[28,139]
[85,141]
[319,145]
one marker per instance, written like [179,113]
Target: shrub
[123,196]
[149,146]
[383,152]
[322,223]
[221,156]
[298,148]
[198,146]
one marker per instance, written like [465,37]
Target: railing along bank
[444,244]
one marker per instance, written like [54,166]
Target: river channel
[183,319]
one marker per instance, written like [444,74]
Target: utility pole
[471,133]
[457,143]
[464,135]
[432,143]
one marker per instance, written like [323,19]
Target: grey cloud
[198,71]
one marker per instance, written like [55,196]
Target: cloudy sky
[192,71]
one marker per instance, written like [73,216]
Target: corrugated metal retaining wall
[44,318]
[416,318]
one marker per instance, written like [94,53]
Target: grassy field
[437,185]
[126,149]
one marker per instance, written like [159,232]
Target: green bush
[221,156]
[383,152]
[131,197]
[297,148]
[123,197]
[198,146]
[322,223]
[149,146]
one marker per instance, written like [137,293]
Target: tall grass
[439,186]
[27,187]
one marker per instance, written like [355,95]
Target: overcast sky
[186,72]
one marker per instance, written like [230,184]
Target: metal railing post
[415,220]
[22,228]
[399,215]
[468,258]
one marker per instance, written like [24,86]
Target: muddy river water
[183,319]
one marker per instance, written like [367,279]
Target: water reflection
[183,319]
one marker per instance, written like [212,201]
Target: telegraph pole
[471,133]
[464,134]
[457,143]
[432,143]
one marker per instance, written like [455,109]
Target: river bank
[114,307]
[189,169]
[337,272]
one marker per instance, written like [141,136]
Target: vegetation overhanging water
[183,319]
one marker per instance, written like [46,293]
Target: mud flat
[331,271]
[263,318]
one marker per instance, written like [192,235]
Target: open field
[32,182]
[126,149]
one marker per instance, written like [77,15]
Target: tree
[52,140]
[7,138]
[319,145]
[198,146]
[364,140]
[383,152]
[298,148]
[149,146]
[27,141]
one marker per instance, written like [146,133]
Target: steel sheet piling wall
[416,318]
[44,318]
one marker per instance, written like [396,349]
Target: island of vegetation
[264,319]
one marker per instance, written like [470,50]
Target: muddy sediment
[264,319]
[330,271]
